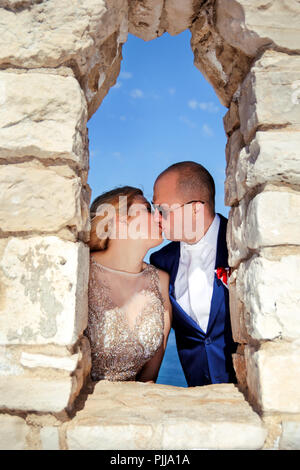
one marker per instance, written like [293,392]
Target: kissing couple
[133,304]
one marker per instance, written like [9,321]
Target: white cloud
[187,121]
[125,75]
[193,104]
[136,93]
[154,95]
[209,106]
[117,155]
[207,130]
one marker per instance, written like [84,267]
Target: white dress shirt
[195,276]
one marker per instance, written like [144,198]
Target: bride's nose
[156,216]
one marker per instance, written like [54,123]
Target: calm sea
[171,372]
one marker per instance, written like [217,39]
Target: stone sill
[141,416]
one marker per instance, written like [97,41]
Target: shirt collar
[210,238]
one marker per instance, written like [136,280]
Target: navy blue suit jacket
[206,357]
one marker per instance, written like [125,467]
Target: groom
[197,263]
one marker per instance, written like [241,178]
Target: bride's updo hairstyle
[99,241]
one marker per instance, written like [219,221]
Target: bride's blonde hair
[99,241]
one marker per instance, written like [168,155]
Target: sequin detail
[123,338]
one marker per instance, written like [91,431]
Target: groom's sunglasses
[165,212]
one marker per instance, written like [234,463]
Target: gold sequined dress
[125,320]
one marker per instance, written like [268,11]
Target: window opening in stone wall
[160,111]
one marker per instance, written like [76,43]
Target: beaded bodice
[125,320]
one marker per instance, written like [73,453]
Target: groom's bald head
[192,181]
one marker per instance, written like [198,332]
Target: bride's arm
[149,372]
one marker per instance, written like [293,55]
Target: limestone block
[269,290]
[13,432]
[236,308]
[149,19]
[50,438]
[44,282]
[273,219]
[251,24]
[239,364]
[178,15]
[269,219]
[27,371]
[144,18]
[152,416]
[62,32]
[223,65]
[236,234]
[273,375]
[272,157]
[34,394]
[231,119]
[9,362]
[15,360]
[85,36]
[269,94]
[35,198]
[290,437]
[49,123]
[233,147]
[56,362]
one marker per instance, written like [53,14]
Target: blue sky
[160,111]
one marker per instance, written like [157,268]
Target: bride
[130,315]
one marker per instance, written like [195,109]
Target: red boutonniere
[223,274]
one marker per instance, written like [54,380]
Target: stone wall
[57,63]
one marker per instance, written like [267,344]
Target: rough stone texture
[13,432]
[233,147]
[231,119]
[50,438]
[53,33]
[252,24]
[135,415]
[290,438]
[269,219]
[144,18]
[272,157]
[262,286]
[43,124]
[272,218]
[44,282]
[273,374]
[269,94]
[239,331]
[149,19]
[35,394]
[31,196]
[58,60]
[42,382]
[221,64]
[236,232]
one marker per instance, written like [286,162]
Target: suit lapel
[175,264]
[221,261]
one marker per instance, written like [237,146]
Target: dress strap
[155,282]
